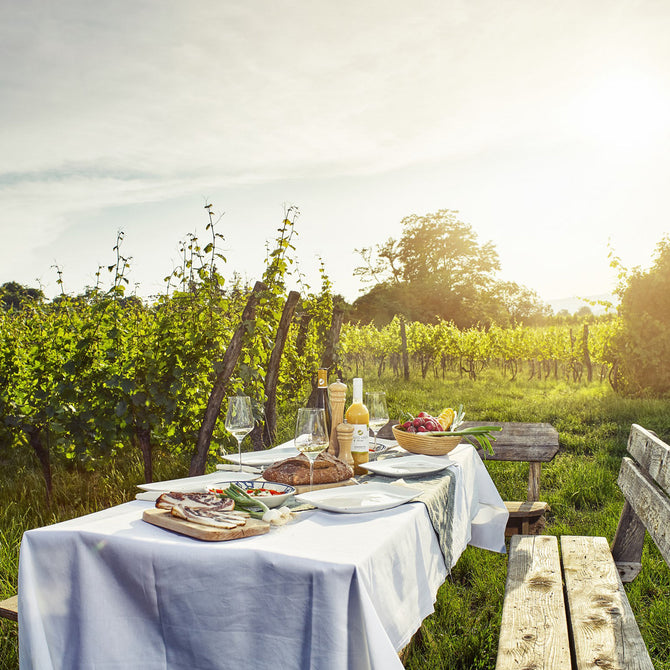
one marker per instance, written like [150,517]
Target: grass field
[580,486]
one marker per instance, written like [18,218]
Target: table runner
[439,498]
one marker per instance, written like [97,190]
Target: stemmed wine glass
[239,420]
[311,435]
[379,414]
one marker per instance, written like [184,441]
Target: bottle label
[361,439]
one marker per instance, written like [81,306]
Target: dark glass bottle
[322,400]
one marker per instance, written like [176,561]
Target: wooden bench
[534,443]
[593,626]
[9,609]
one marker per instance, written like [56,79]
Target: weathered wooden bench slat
[652,454]
[525,508]
[604,631]
[648,502]
[9,608]
[525,518]
[646,506]
[533,442]
[534,633]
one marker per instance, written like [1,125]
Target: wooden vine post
[587,355]
[143,437]
[403,345]
[43,455]
[329,357]
[303,326]
[199,459]
[263,435]
[330,352]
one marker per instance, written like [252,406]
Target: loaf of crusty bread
[295,470]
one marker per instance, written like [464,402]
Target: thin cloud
[364,112]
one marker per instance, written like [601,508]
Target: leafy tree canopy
[439,269]
[14,295]
[643,344]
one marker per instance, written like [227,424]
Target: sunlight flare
[626,110]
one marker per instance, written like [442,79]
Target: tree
[438,269]
[14,295]
[642,347]
[379,305]
[584,312]
[442,247]
[516,305]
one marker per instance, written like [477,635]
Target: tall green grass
[579,485]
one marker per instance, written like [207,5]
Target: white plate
[266,457]
[407,466]
[383,442]
[371,497]
[194,483]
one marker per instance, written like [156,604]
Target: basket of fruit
[437,436]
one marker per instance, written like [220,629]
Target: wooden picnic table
[532,443]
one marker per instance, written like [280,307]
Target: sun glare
[627,110]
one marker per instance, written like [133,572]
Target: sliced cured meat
[210,517]
[207,509]
[195,499]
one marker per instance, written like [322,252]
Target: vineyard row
[565,351]
[84,378]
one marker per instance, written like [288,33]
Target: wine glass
[379,414]
[239,420]
[311,435]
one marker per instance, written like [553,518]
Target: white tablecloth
[327,591]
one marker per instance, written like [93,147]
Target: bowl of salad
[272,494]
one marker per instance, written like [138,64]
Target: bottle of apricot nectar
[358,416]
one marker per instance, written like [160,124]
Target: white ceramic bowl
[271,493]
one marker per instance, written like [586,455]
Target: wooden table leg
[628,544]
[534,481]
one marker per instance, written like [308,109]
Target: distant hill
[574,303]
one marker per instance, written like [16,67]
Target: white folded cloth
[231,467]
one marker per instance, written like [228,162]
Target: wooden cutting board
[164,519]
[317,487]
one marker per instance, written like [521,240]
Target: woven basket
[429,445]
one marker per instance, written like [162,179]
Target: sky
[546,125]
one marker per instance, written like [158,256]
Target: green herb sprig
[475,434]
[244,501]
